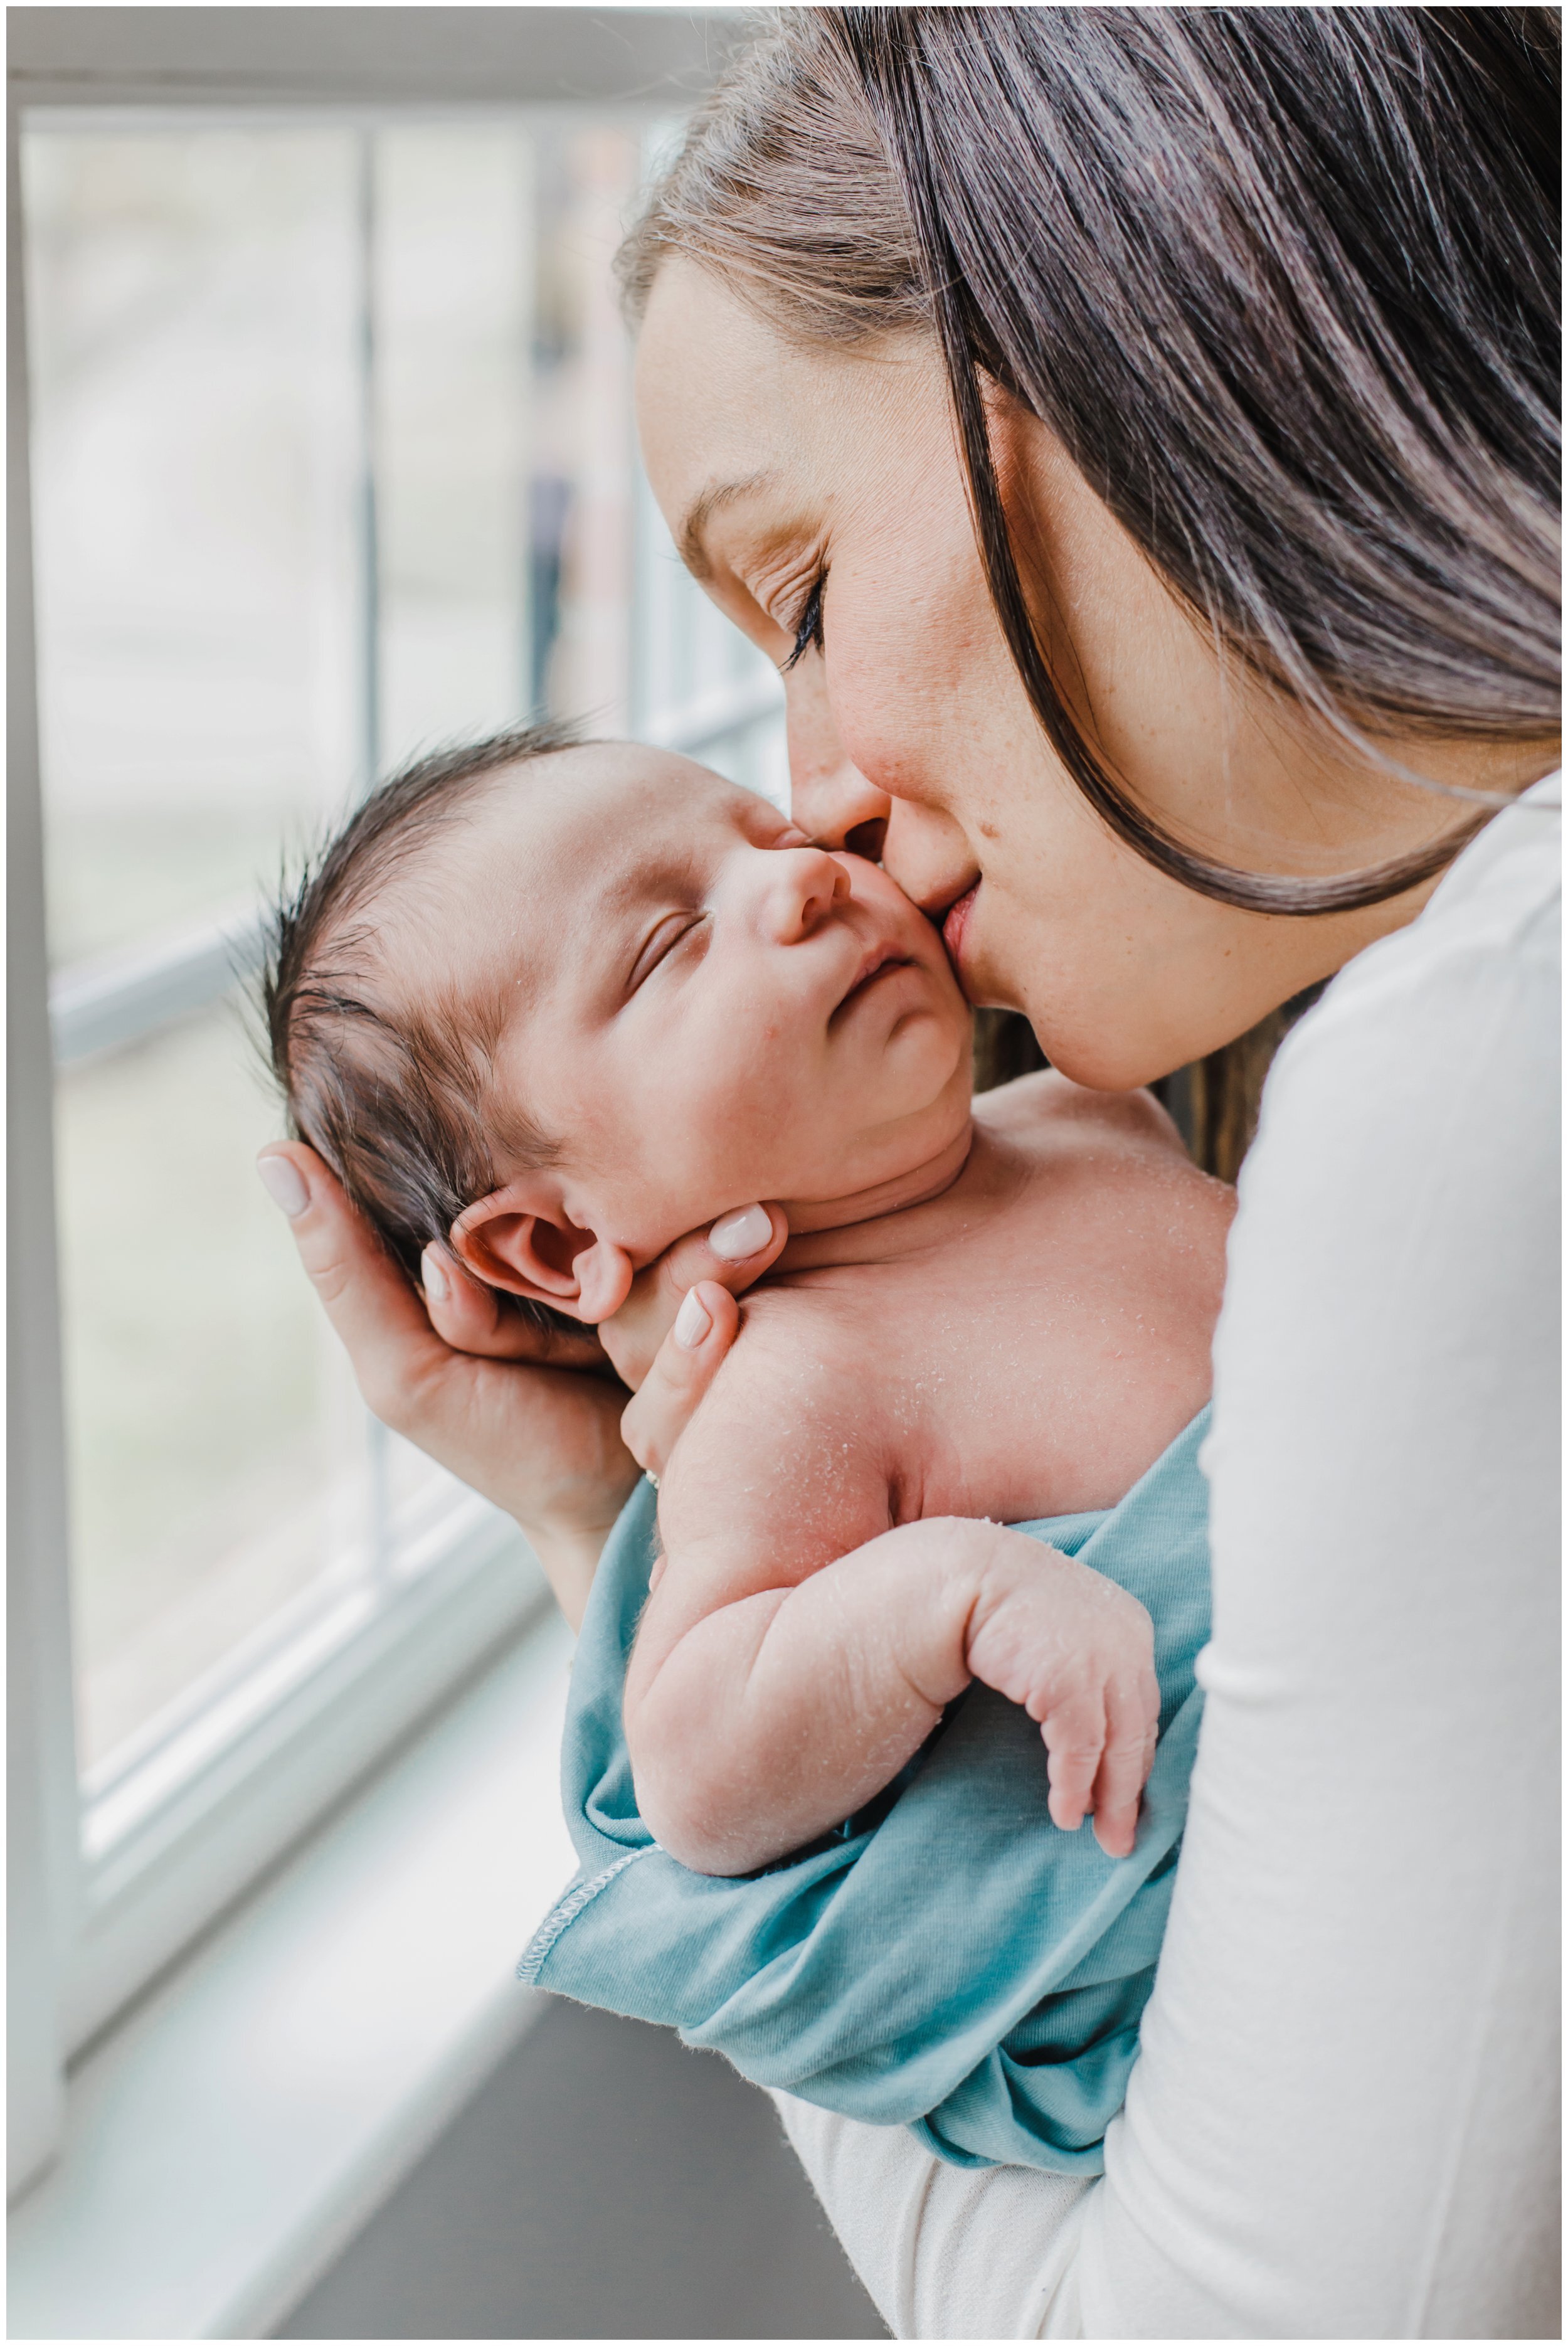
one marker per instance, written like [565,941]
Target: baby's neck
[918,1186]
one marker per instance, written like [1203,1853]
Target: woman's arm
[944,2251]
[1344,2121]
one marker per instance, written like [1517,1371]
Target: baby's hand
[1078,1653]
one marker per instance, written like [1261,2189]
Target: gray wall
[335,56]
[606,2183]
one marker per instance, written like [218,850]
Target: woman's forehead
[745,428]
[724,396]
[713,381]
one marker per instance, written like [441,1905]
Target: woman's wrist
[570,1557]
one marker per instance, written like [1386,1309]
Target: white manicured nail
[284,1184]
[692,1321]
[433,1274]
[739,1235]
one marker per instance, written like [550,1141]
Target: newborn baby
[561,1005]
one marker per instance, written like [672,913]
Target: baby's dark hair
[394,1093]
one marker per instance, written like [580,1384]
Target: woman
[1133,434]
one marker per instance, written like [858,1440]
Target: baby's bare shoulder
[1107,1179]
[1049,1106]
[798,1353]
[790,1440]
[799,1365]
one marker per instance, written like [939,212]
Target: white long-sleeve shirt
[1344,2121]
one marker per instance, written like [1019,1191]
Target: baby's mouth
[876,964]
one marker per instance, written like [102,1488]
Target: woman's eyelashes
[808,627]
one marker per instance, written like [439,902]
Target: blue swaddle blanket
[948,1960]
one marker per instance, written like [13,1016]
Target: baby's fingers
[683,1367]
[1133,1721]
[1075,1737]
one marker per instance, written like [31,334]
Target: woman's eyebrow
[700,512]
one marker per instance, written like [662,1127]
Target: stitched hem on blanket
[565,1913]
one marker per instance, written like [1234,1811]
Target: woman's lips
[955,923]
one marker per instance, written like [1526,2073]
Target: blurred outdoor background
[332,461]
[322,393]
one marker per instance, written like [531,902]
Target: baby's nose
[803,888]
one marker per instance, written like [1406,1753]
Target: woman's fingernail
[284,1184]
[432,1275]
[693,1321]
[739,1235]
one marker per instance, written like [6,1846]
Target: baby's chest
[975,1426]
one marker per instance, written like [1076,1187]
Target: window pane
[218,1450]
[502,429]
[583,443]
[333,459]
[194,313]
[455,267]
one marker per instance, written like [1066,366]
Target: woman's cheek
[917,703]
[878,723]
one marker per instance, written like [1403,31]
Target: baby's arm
[797,1649]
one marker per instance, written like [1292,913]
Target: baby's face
[709,1010]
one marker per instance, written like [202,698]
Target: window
[331,458]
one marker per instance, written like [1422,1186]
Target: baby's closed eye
[672,930]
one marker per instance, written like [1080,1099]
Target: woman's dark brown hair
[1283,281]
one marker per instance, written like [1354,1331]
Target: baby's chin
[883,1180]
[917,1120]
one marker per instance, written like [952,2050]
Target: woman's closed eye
[808,627]
[666,935]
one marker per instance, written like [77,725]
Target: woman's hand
[529,1417]
[685,1365]
[642,1340]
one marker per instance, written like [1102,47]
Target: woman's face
[787,474]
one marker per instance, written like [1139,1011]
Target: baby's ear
[508,1242]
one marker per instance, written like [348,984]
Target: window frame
[88,1932]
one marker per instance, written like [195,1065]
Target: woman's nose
[927,853]
[829,797]
[922,848]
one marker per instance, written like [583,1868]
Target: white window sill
[235,2130]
